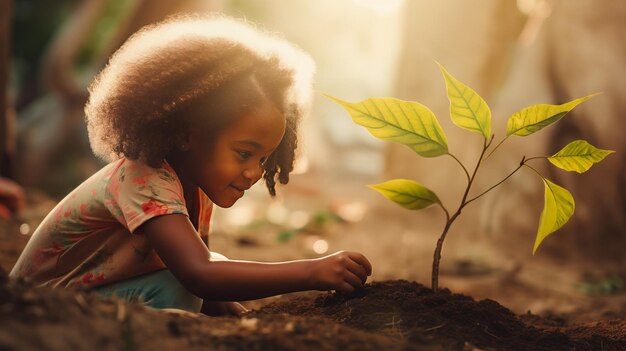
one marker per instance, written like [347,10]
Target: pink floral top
[87,240]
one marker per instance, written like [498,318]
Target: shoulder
[138,180]
[137,192]
[139,173]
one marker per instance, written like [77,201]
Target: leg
[158,290]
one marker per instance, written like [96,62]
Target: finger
[345,288]
[237,309]
[357,270]
[360,259]
[353,280]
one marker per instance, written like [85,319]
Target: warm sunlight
[384,6]
[312,175]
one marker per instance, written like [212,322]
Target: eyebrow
[252,143]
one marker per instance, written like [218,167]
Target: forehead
[263,125]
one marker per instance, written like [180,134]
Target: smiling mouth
[239,189]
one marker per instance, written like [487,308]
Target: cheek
[222,171]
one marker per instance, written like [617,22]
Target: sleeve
[137,192]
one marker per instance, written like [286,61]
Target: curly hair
[185,63]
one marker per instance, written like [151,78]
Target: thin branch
[462,166]
[445,211]
[490,141]
[496,147]
[522,163]
[534,170]
[537,157]
[471,180]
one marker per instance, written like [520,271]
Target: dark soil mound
[394,315]
[444,321]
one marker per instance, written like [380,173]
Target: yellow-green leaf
[467,109]
[405,122]
[536,117]
[558,208]
[407,193]
[578,156]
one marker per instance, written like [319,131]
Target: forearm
[246,280]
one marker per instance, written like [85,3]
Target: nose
[253,174]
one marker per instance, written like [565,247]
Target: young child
[190,112]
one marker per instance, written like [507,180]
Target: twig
[121,311]
[433,328]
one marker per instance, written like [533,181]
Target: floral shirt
[87,240]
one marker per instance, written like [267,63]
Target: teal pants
[158,290]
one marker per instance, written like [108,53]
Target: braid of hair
[281,162]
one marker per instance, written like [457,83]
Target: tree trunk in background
[580,49]
[585,49]
[474,40]
[153,11]
[6,130]
[54,151]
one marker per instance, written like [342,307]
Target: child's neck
[189,188]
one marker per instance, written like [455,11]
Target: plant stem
[437,256]
[465,202]
[450,220]
[469,185]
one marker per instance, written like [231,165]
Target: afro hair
[142,94]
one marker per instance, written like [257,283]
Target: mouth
[239,189]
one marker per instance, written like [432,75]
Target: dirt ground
[488,303]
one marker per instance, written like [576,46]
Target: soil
[388,315]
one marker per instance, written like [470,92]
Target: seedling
[415,125]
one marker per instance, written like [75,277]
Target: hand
[219,308]
[12,198]
[343,271]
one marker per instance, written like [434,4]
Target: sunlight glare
[320,246]
[241,215]
[301,165]
[24,229]
[298,219]
[382,6]
[352,212]
[277,213]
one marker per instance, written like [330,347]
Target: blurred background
[513,53]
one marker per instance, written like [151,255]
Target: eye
[244,154]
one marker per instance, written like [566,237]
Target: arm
[183,252]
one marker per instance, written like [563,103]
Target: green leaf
[536,117]
[558,208]
[407,193]
[578,156]
[285,235]
[405,122]
[467,109]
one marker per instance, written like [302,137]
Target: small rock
[249,323]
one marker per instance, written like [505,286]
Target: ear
[183,141]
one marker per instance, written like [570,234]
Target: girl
[190,112]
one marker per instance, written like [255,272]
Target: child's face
[231,163]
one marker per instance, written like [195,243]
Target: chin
[225,203]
